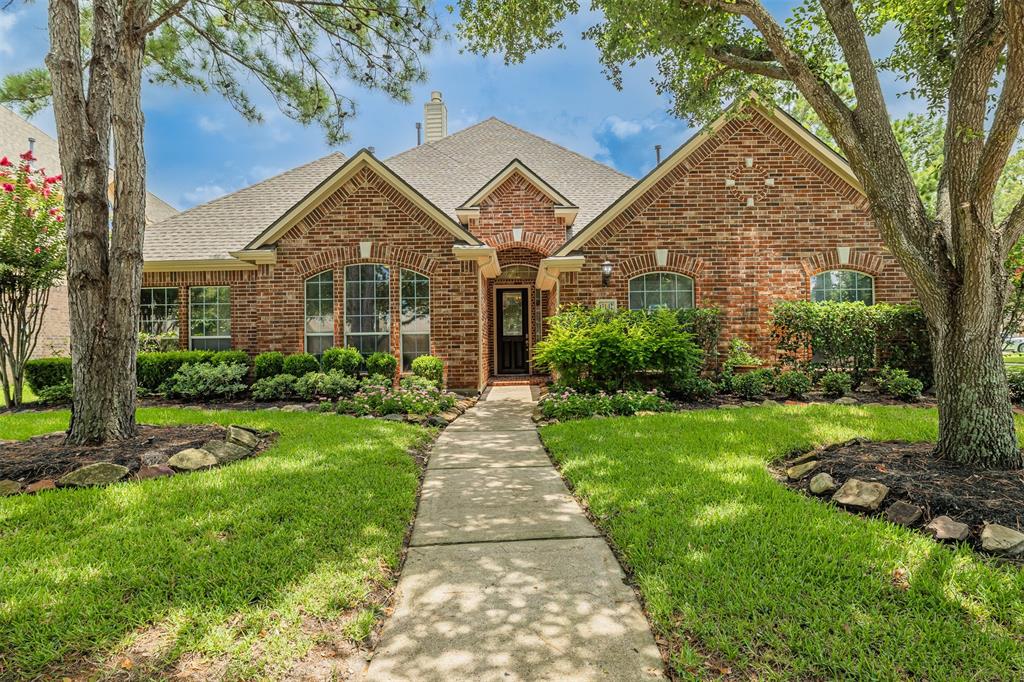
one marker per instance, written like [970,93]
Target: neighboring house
[15,136]
[460,247]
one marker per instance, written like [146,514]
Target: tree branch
[169,13]
[768,68]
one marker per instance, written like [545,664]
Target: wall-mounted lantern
[606,273]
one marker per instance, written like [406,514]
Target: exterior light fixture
[606,273]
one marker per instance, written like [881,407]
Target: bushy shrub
[706,326]
[59,394]
[835,384]
[1016,381]
[230,357]
[384,400]
[206,381]
[793,383]
[597,349]
[694,387]
[43,373]
[266,365]
[347,360]
[415,381]
[752,385]
[300,364]
[329,385]
[429,367]
[739,355]
[903,341]
[381,364]
[277,387]
[375,381]
[899,384]
[566,403]
[153,369]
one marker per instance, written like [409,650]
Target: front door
[513,323]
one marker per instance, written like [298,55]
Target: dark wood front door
[513,307]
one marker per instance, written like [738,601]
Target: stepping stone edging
[241,443]
[866,498]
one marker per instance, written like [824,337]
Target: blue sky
[198,148]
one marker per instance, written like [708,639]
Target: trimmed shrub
[266,365]
[835,384]
[899,384]
[793,383]
[429,367]
[565,403]
[382,364]
[153,369]
[300,364]
[752,385]
[60,394]
[329,385]
[44,373]
[348,360]
[230,357]
[1016,380]
[206,381]
[903,341]
[706,326]
[277,387]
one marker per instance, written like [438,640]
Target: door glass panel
[512,313]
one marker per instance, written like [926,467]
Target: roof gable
[471,207]
[775,116]
[336,180]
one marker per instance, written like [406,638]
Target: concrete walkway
[506,578]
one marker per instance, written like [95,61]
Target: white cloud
[622,128]
[203,193]
[210,125]
[7,22]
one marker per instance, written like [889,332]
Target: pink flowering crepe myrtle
[31,221]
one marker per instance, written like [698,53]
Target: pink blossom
[38,250]
[8,187]
[5,162]
[28,156]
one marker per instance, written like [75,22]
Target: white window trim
[810,282]
[693,287]
[305,316]
[190,336]
[177,305]
[344,327]
[430,316]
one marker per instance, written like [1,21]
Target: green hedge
[301,364]
[44,373]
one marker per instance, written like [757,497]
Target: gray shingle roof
[229,223]
[14,134]
[449,171]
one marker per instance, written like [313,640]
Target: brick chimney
[435,118]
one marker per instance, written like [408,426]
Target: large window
[209,318]
[159,310]
[843,285]
[415,305]
[320,312]
[660,290]
[368,308]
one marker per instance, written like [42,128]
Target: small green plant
[429,367]
[266,365]
[277,387]
[60,394]
[347,360]
[415,381]
[693,387]
[835,384]
[328,385]
[381,400]
[794,383]
[899,384]
[567,403]
[381,364]
[158,343]
[752,385]
[300,364]
[206,382]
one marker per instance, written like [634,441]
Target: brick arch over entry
[859,260]
[535,241]
[379,253]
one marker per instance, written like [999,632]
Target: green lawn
[1014,360]
[235,565]
[737,568]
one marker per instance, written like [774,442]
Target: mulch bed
[913,474]
[47,456]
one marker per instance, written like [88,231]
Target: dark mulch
[48,457]
[967,494]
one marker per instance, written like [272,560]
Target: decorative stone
[293,408]
[99,473]
[867,495]
[154,472]
[239,435]
[9,487]
[40,486]
[1002,540]
[809,455]
[451,416]
[437,421]
[822,483]
[394,417]
[192,459]
[798,471]
[903,513]
[728,406]
[750,403]
[770,403]
[945,528]
[225,452]
[153,458]
[416,418]
[845,400]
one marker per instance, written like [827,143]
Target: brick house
[463,245]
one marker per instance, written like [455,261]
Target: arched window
[368,308]
[320,312]
[660,290]
[843,285]
[414,300]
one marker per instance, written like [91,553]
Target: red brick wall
[518,203]
[742,258]
[267,311]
